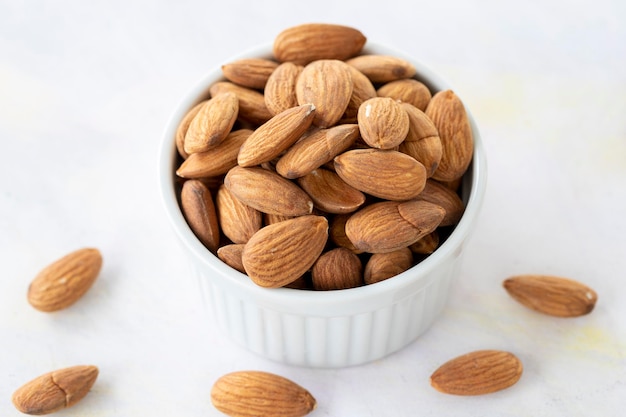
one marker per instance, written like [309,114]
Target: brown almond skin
[237,220]
[309,42]
[65,281]
[249,72]
[280,89]
[427,244]
[552,295]
[444,197]
[450,118]
[231,255]
[337,233]
[408,91]
[382,266]
[316,149]
[387,174]
[216,161]
[55,390]
[327,84]
[330,193]
[267,191]
[337,269]
[276,135]
[199,211]
[183,126]
[388,226]
[362,90]
[422,141]
[260,394]
[212,124]
[382,68]
[252,108]
[280,253]
[477,373]
[383,122]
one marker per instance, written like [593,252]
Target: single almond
[280,253]
[260,394]
[337,269]
[280,89]
[55,390]
[199,211]
[237,220]
[231,255]
[386,174]
[249,72]
[556,296]
[362,90]
[476,373]
[382,266]
[316,149]
[422,141]
[408,91]
[330,193]
[276,135]
[252,108]
[269,218]
[444,197]
[450,118]
[183,126]
[309,42]
[267,191]
[388,225]
[337,233]
[427,244]
[66,280]
[212,124]
[382,68]
[383,122]
[216,161]
[328,85]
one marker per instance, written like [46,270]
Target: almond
[337,269]
[66,280]
[276,135]
[450,118]
[362,90]
[328,85]
[337,233]
[556,296]
[267,191]
[422,141]
[427,244]
[316,149]
[183,126]
[231,256]
[313,41]
[199,211]
[260,394]
[382,266]
[383,123]
[388,226]
[382,68]
[386,174]
[249,72]
[55,390]
[252,108]
[407,90]
[212,124]
[330,193]
[476,373]
[269,218]
[280,89]
[280,253]
[444,197]
[237,220]
[216,161]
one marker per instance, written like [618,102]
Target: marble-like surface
[87,87]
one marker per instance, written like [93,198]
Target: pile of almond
[322,167]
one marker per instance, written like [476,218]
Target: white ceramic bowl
[323,328]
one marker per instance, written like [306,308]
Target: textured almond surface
[555,296]
[382,68]
[476,373]
[183,126]
[280,89]
[252,108]
[260,394]
[237,220]
[422,141]
[199,211]
[382,266]
[55,390]
[231,255]
[312,41]
[66,280]
[444,197]
[330,193]
[280,253]
[249,72]
[212,124]
[383,122]
[337,269]
[408,91]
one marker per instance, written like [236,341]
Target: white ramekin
[325,329]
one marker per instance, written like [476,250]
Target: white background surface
[86,89]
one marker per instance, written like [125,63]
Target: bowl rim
[306,300]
